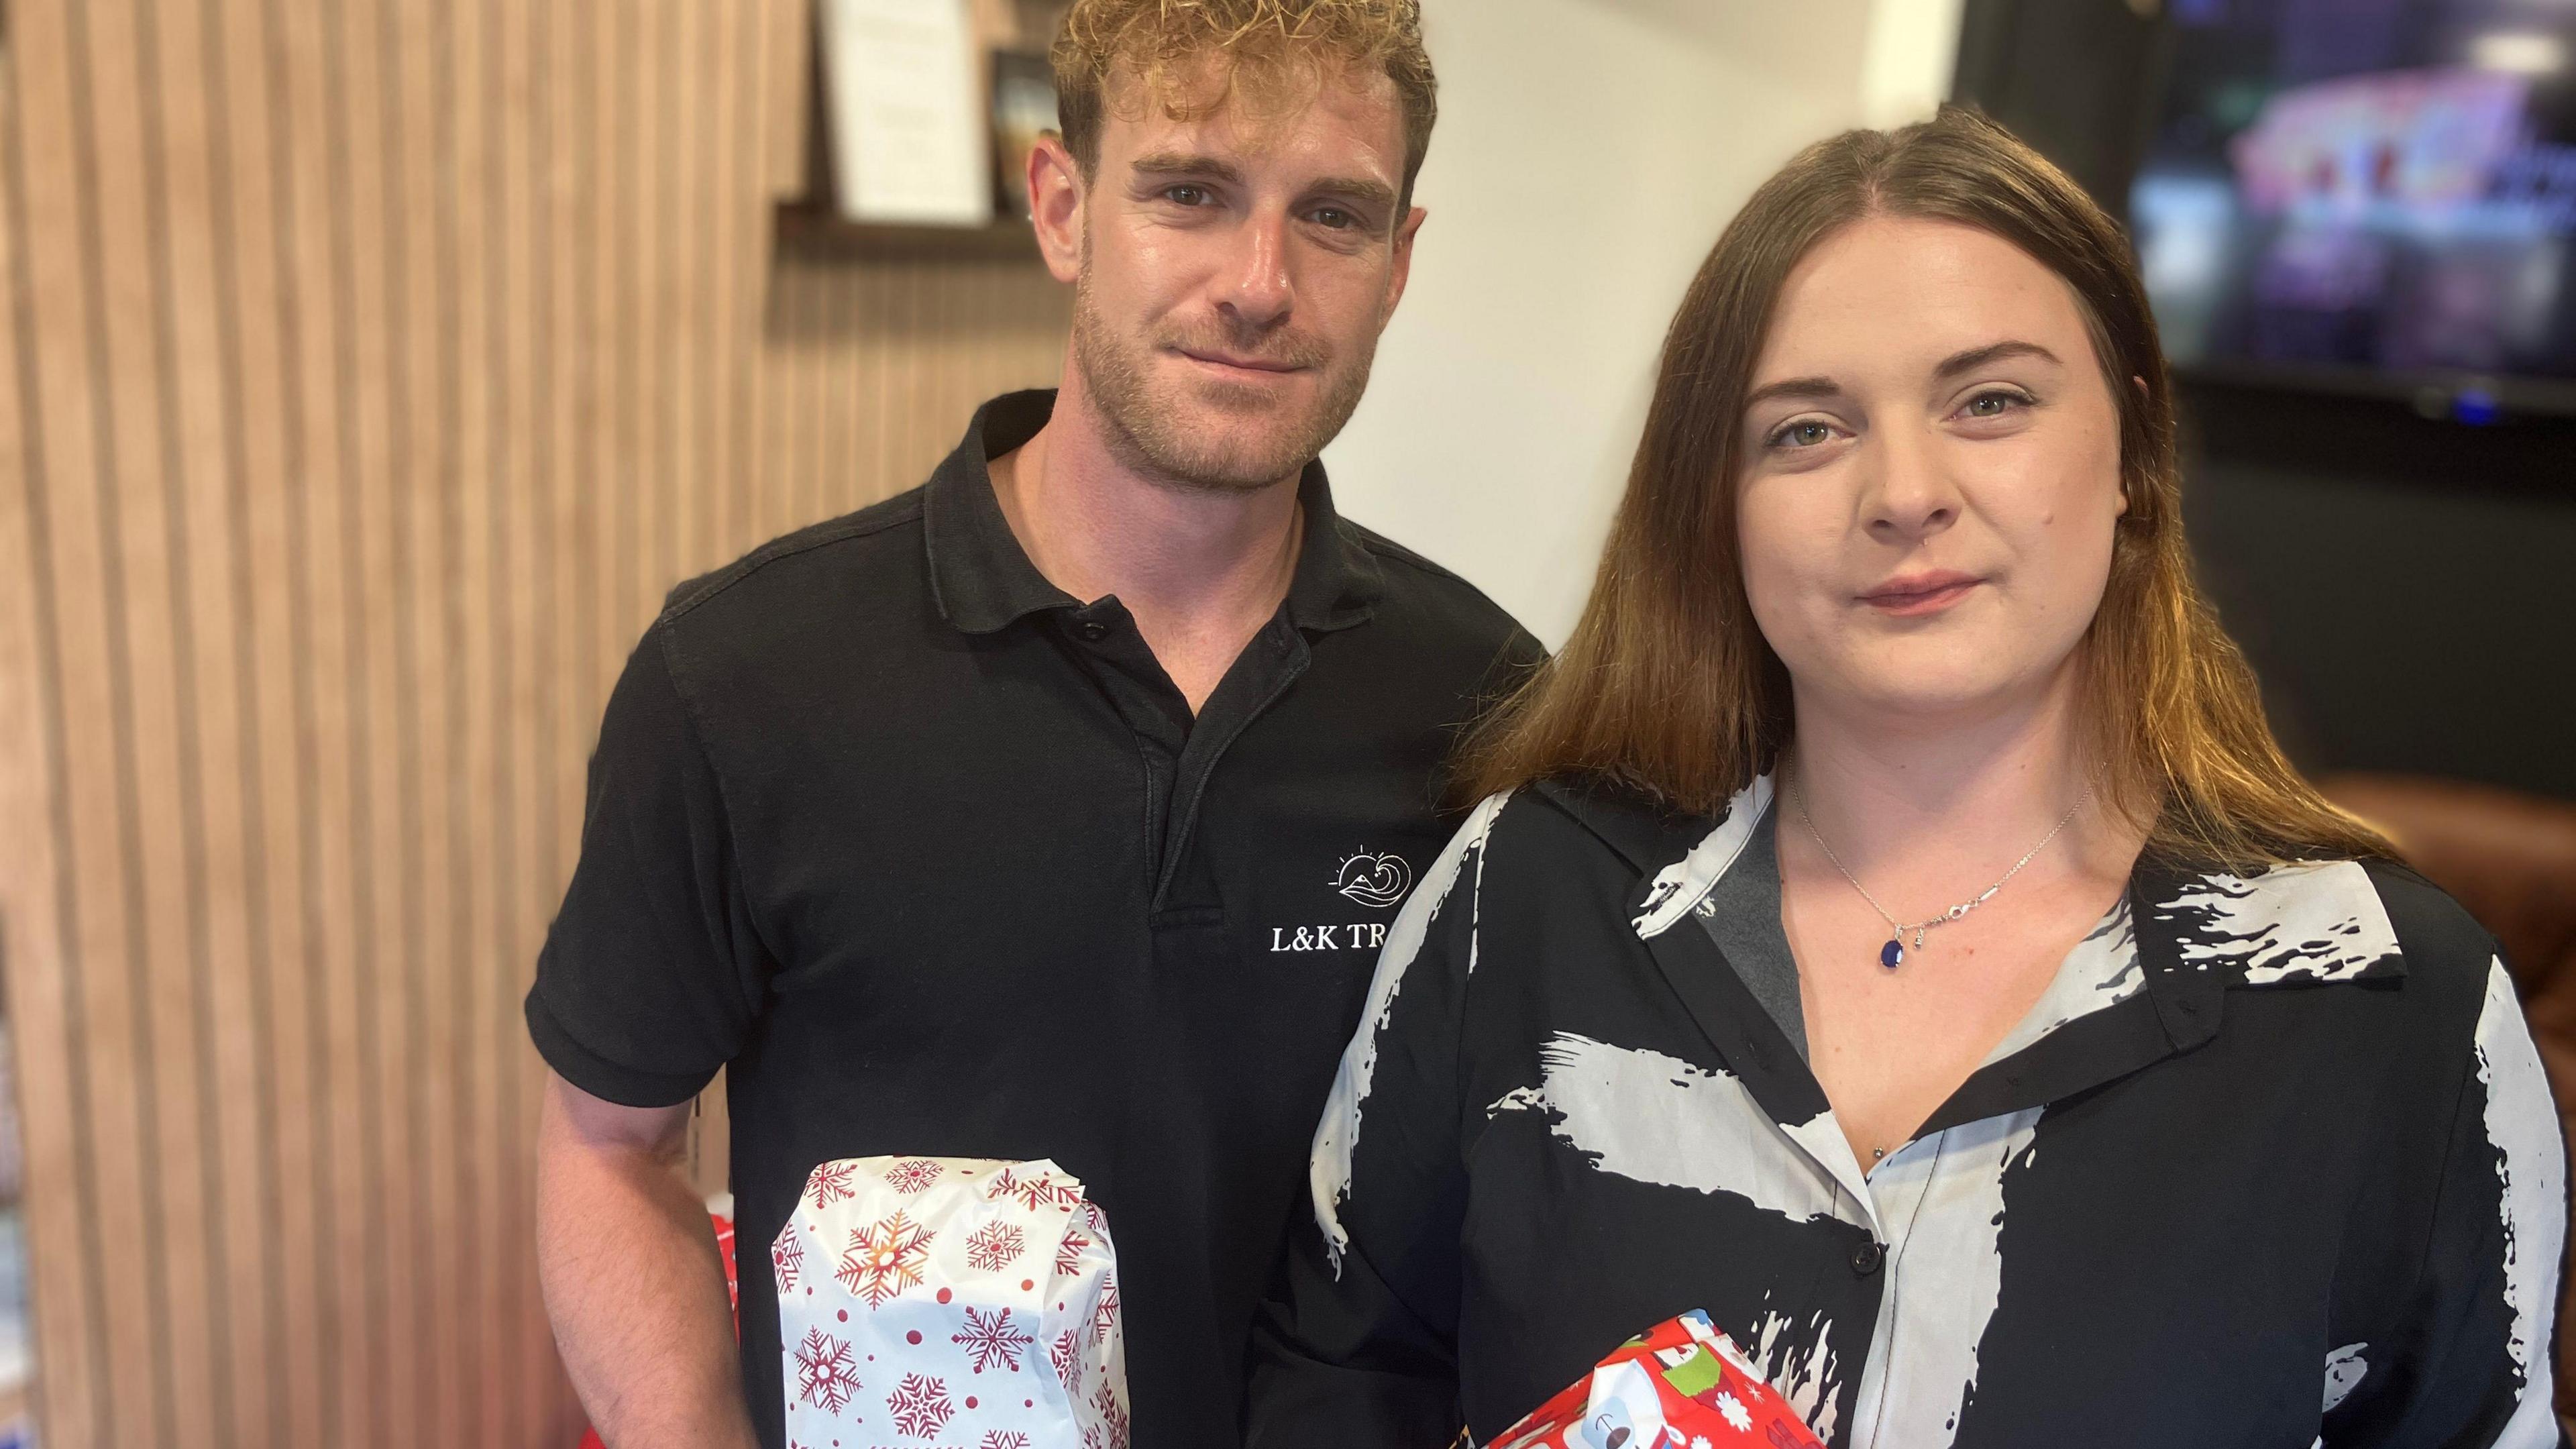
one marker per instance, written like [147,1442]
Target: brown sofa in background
[2511,860]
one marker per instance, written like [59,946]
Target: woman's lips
[1918,594]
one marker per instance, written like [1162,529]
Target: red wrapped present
[1679,1385]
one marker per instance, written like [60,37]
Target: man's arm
[632,1281]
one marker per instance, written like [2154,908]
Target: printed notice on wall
[905,102]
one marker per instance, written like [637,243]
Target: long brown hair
[1668,688]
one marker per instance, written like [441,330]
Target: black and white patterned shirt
[2271,1162]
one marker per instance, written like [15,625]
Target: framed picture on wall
[907,143]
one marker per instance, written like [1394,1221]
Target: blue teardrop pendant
[1892,955]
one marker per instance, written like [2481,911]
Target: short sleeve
[649,977]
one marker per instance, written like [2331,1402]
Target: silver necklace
[1892,955]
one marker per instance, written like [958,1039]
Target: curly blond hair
[1273,55]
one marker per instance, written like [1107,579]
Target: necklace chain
[1946,917]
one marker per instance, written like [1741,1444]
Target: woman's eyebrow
[1951,366]
[1796,387]
[1976,357]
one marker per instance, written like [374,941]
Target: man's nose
[1256,289]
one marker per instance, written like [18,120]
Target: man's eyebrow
[1185,163]
[1365,190]
[1795,387]
[1976,357]
[1360,190]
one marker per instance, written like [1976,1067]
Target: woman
[1892,929]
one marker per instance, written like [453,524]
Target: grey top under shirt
[1742,914]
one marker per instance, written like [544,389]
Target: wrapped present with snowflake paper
[948,1301]
[1679,1385]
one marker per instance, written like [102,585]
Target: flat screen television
[2369,196]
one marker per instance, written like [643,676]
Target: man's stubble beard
[1150,437]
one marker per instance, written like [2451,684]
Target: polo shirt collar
[983,581]
[980,577]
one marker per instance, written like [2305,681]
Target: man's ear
[1402,270]
[1056,192]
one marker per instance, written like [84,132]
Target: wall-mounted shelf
[816,230]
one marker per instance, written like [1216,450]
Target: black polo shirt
[934,859]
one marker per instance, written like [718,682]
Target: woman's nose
[1910,495]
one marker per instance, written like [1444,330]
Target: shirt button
[1866,1259]
[1092,629]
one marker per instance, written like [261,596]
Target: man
[1056,808]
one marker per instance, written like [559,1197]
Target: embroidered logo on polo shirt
[1374,880]
[1354,936]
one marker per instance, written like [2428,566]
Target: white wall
[1587,155]
[1913,51]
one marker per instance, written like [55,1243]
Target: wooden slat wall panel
[375,366]
[35,798]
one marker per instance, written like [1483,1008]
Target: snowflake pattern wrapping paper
[1679,1385]
[947,1303]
